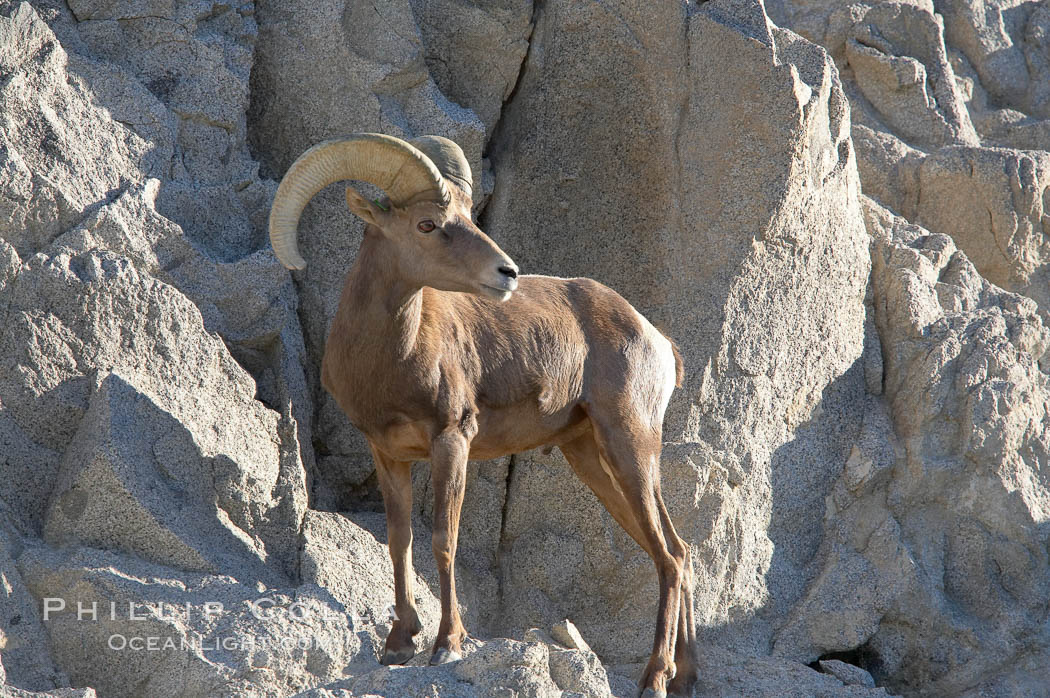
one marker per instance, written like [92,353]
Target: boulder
[116,622]
[60,152]
[727,674]
[847,673]
[119,152]
[186,65]
[132,480]
[569,635]
[250,302]
[24,644]
[994,205]
[1007,43]
[897,57]
[493,667]
[208,434]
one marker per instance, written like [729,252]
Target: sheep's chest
[398,405]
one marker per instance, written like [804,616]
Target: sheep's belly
[500,432]
[509,430]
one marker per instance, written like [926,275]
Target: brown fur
[430,369]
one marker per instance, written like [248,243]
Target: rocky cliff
[841,212]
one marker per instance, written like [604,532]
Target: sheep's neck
[382,303]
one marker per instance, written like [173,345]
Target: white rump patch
[653,372]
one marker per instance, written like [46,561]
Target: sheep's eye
[426,226]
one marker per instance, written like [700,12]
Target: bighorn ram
[440,351]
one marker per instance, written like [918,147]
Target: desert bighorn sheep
[440,351]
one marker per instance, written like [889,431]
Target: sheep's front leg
[395,481]
[448,462]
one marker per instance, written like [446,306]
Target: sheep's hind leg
[685,657]
[627,493]
[395,481]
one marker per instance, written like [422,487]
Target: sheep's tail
[679,368]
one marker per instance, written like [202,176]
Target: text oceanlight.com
[197,642]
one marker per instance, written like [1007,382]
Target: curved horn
[449,158]
[399,169]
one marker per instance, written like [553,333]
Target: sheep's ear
[368,211]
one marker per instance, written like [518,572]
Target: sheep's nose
[509,270]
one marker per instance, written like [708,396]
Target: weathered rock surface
[995,206]
[726,674]
[936,513]
[898,58]
[858,455]
[847,673]
[953,344]
[1008,44]
[337,554]
[938,517]
[473,52]
[132,480]
[60,153]
[493,667]
[15,692]
[196,413]
[24,647]
[924,78]
[183,68]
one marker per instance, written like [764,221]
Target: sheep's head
[427,221]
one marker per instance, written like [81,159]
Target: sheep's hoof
[652,693]
[399,657]
[444,656]
[683,683]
